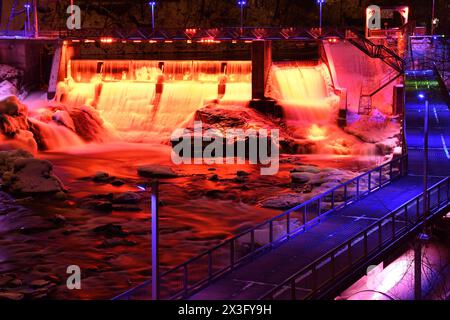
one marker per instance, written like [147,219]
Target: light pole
[320,3]
[155,237]
[422,237]
[433,21]
[152,4]
[422,96]
[27,23]
[36,21]
[242,4]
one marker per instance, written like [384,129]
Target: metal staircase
[378,51]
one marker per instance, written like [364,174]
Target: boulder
[87,123]
[283,201]
[63,118]
[32,176]
[127,198]
[156,171]
[306,168]
[301,177]
[7,159]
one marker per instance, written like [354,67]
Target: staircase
[378,51]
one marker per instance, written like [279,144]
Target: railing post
[357,188]
[186,279]
[271,232]
[381,178]
[380,234]
[304,218]
[210,262]
[393,226]
[369,182]
[365,244]
[332,200]
[345,194]
[252,240]
[390,171]
[293,293]
[232,253]
[288,226]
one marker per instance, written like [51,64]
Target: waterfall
[304,91]
[148,100]
[55,136]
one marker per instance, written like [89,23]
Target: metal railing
[346,257]
[184,279]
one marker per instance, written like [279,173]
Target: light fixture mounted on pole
[320,3]
[27,6]
[242,4]
[152,4]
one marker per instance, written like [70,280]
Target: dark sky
[210,13]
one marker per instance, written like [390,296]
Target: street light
[27,23]
[320,3]
[155,236]
[242,4]
[418,244]
[152,4]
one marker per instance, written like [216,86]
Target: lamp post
[433,21]
[242,4]
[27,22]
[155,237]
[423,236]
[320,3]
[152,4]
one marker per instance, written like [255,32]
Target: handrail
[345,248]
[209,265]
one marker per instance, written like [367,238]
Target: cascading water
[305,93]
[55,136]
[148,100]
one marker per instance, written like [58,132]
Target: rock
[112,243]
[99,205]
[5,279]
[10,106]
[61,196]
[102,177]
[11,296]
[126,208]
[127,198]
[213,177]
[63,118]
[242,173]
[118,183]
[39,283]
[31,177]
[284,201]
[7,159]
[301,177]
[88,123]
[306,168]
[59,220]
[111,230]
[156,171]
